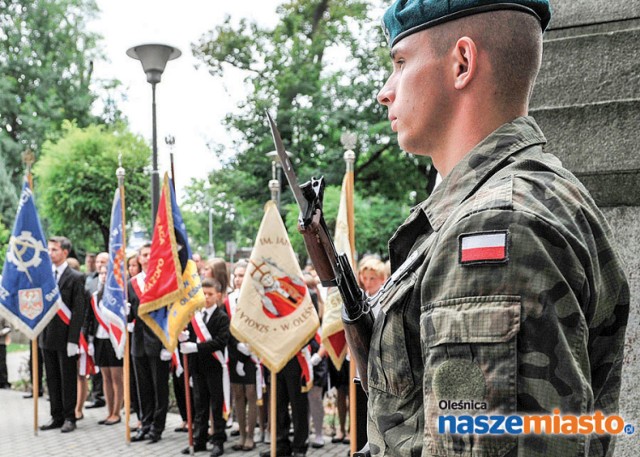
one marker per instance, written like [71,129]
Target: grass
[15,347]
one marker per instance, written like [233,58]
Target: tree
[45,70]
[293,71]
[75,182]
[4,242]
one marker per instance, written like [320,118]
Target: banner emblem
[281,294]
[31,303]
[19,246]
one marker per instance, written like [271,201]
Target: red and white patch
[483,247]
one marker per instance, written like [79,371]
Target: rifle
[333,268]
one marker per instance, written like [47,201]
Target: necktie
[55,275]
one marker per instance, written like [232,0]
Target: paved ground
[91,439]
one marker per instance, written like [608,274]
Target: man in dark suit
[152,363]
[208,335]
[59,339]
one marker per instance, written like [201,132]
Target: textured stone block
[587,69]
[570,13]
[624,223]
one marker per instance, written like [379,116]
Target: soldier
[506,278]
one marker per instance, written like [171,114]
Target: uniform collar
[478,165]
[473,170]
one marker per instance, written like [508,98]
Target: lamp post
[154,58]
[276,178]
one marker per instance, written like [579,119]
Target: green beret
[405,17]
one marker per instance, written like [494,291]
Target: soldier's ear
[464,62]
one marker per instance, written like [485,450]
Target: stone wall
[587,101]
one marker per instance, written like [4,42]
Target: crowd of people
[83,371]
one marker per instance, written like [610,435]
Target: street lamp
[154,58]
[276,178]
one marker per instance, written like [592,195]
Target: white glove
[315,359]
[240,369]
[127,308]
[130,327]
[165,355]
[184,336]
[188,347]
[244,348]
[91,350]
[72,349]
[190,382]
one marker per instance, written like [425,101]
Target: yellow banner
[274,313]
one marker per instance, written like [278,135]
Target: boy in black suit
[59,339]
[208,335]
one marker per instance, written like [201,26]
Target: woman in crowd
[106,359]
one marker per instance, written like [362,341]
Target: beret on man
[406,17]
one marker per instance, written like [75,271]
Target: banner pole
[273,411]
[35,385]
[350,158]
[28,157]
[187,396]
[120,173]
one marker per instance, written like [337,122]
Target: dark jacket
[57,334]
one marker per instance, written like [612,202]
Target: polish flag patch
[483,247]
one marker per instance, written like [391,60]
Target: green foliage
[45,71]
[318,71]
[4,241]
[375,219]
[75,182]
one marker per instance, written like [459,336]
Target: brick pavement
[91,439]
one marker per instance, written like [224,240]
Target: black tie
[55,275]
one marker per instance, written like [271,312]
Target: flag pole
[120,172]
[185,360]
[187,399]
[273,411]
[350,158]
[28,157]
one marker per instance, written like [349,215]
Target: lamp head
[154,58]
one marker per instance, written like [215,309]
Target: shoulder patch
[483,248]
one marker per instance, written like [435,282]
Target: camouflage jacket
[508,298]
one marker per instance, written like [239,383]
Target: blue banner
[29,293]
[113,301]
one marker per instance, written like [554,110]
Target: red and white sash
[176,363]
[64,312]
[304,359]
[203,335]
[86,364]
[137,282]
[98,313]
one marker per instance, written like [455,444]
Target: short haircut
[73,263]
[212,282]
[145,245]
[63,241]
[512,40]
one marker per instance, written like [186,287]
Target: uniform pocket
[395,374]
[470,355]
[390,368]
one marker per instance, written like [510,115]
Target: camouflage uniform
[540,328]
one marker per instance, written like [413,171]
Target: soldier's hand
[165,355]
